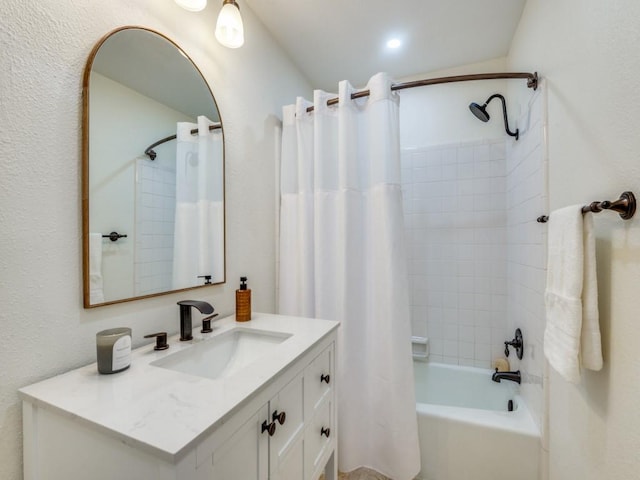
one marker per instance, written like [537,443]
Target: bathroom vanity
[265,409]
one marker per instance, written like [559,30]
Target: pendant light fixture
[229,28]
[192,5]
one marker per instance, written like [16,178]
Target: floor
[360,474]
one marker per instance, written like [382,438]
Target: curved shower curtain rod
[532,82]
[150,152]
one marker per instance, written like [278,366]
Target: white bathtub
[466,431]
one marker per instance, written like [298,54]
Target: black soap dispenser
[243,302]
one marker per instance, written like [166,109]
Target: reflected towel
[96,293]
[572,333]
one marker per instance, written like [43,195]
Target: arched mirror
[153,171]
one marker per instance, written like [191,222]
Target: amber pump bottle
[243,302]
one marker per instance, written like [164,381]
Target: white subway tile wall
[155,189]
[456,228]
[526,260]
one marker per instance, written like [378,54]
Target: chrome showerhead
[481,113]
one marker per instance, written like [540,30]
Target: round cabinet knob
[325,378]
[280,417]
[325,431]
[270,428]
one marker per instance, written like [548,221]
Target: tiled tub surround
[526,199]
[455,219]
[165,424]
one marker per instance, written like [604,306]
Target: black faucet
[513,376]
[185,316]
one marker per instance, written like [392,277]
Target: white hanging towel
[96,292]
[572,333]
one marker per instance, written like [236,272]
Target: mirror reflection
[153,171]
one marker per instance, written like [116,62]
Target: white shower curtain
[342,257]
[198,248]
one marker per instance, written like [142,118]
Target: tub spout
[513,376]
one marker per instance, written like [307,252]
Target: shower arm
[504,114]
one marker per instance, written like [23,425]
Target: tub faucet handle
[516,343]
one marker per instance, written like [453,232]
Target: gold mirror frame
[85,172]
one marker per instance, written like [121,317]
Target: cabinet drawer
[318,381]
[318,438]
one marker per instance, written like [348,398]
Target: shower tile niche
[456,228]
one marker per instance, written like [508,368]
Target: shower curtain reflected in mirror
[342,257]
[199,221]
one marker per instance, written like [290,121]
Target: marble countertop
[165,412]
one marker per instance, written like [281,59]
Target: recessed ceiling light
[394,43]
[192,5]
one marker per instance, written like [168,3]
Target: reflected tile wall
[154,224]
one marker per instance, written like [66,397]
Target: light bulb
[192,5]
[229,28]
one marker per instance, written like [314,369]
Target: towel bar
[625,206]
[114,236]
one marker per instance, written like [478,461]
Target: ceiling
[151,65]
[332,40]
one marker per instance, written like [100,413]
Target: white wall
[116,144]
[45,330]
[588,52]
[439,114]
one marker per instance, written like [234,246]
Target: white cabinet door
[285,446]
[318,438]
[252,454]
[245,455]
[291,466]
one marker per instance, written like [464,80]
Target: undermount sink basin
[223,355]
